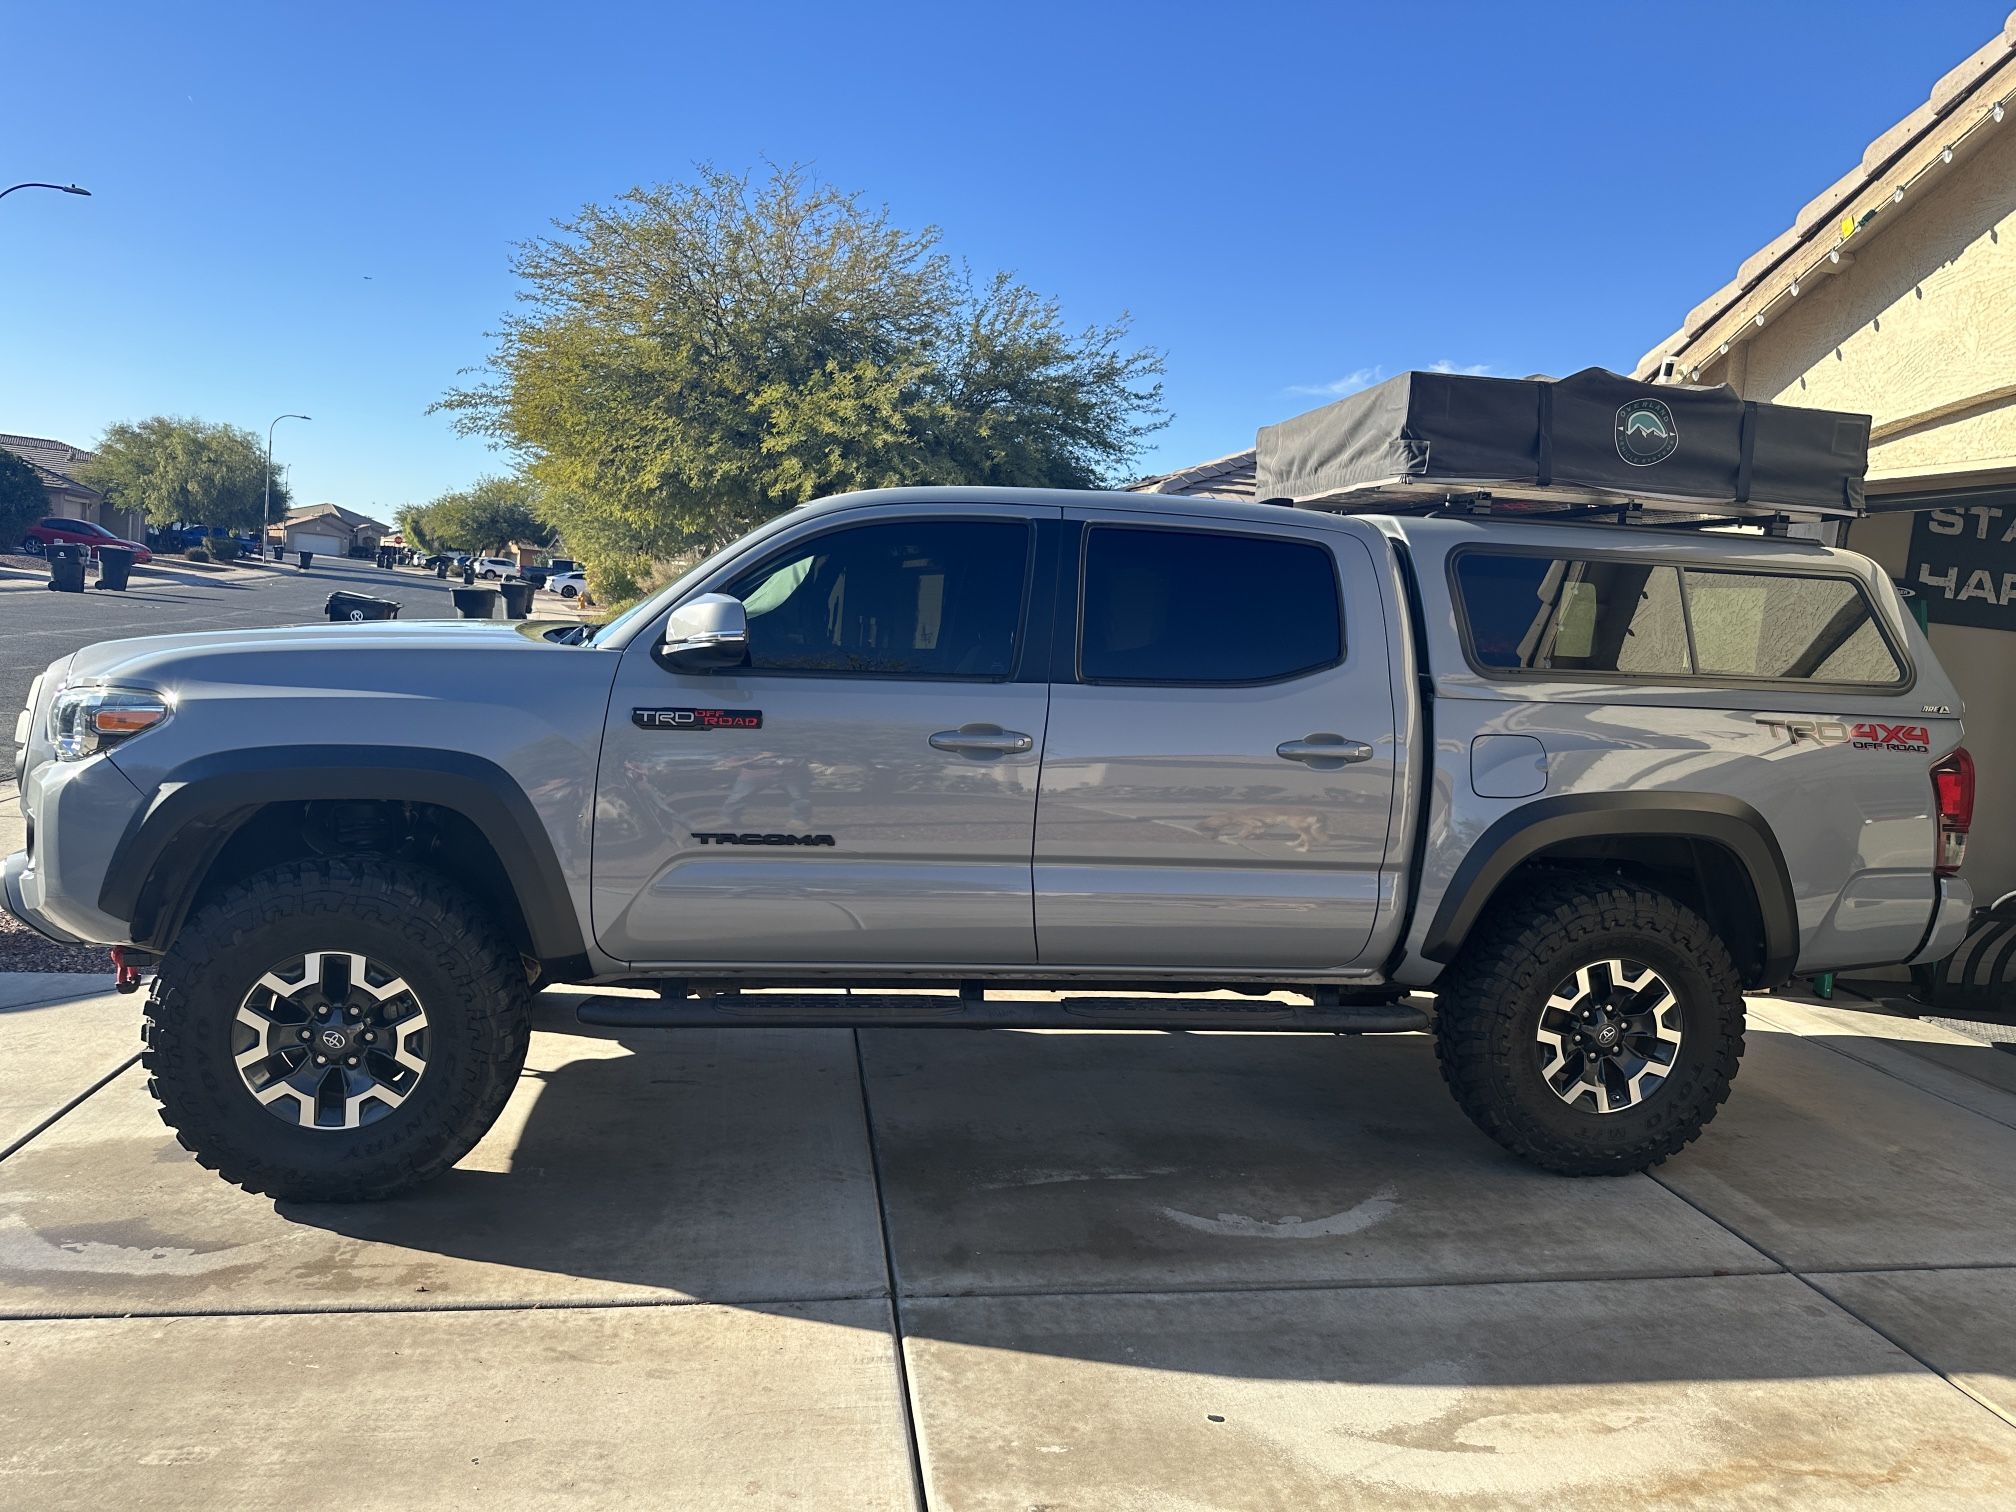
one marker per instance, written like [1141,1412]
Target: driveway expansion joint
[1806,1281]
[903,1391]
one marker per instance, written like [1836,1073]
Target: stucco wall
[1924,316]
[1982,664]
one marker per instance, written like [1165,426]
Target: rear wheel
[336,1030]
[1591,1026]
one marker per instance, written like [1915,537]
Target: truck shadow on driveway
[1219,1196]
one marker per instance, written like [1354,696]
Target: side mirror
[707,633]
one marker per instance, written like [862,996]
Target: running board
[782,1012]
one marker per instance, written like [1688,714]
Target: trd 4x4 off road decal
[1863,735]
[1888,737]
[697,719]
[711,837]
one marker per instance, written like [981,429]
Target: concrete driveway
[820,1270]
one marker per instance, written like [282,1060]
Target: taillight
[1953,795]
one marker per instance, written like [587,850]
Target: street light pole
[266,510]
[59,188]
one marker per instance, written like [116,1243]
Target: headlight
[84,721]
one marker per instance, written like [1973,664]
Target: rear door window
[1632,618]
[1206,606]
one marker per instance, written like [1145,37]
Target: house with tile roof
[332,530]
[1227,477]
[57,463]
[1892,293]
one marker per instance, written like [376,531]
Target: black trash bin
[517,598]
[359,606]
[66,567]
[475,603]
[115,565]
[441,569]
[468,573]
[305,558]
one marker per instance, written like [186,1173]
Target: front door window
[931,599]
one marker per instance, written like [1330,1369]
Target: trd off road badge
[697,719]
[1646,432]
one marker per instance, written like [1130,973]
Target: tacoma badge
[711,837]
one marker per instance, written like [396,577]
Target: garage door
[321,545]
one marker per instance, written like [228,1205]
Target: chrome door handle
[1324,750]
[981,740]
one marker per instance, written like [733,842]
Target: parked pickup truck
[1585,785]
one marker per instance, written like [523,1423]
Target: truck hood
[160,658]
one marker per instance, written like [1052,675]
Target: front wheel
[1591,1026]
[336,1030]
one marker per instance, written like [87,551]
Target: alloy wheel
[1609,1036]
[330,1040]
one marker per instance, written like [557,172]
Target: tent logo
[1646,432]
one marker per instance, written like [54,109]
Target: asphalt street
[37,626]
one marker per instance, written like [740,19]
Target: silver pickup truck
[1051,754]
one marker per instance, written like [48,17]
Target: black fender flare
[198,806]
[1533,827]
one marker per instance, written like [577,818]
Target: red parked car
[55,530]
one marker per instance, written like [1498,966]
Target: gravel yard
[21,949]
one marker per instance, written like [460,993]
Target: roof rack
[1482,504]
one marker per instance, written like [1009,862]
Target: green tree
[194,472]
[699,356]
[486,517]
[22,501]
[412,523]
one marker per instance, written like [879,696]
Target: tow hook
[125,974]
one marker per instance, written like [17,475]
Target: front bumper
[16,875]
[1952,917]
[76,810]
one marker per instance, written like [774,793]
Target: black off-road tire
[439,938]
[1489,1005]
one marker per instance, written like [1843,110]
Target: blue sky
[310,207]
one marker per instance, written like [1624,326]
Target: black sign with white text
[1963,562]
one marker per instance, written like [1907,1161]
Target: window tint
[1194,606]
[937,598]
[1646,619]
[1550,614]
[1753,624]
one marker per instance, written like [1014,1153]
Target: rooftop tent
[1591,438]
